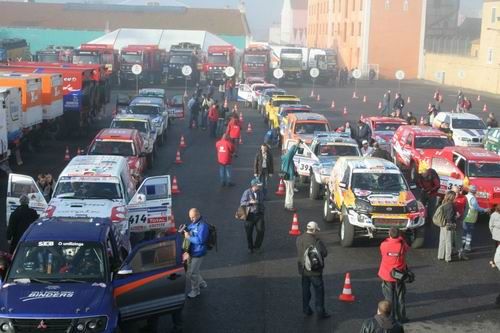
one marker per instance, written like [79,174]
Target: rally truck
[368,196]
[256,61]
[180,55]
[291,64]
[149,57]
[219,57]
[68,275]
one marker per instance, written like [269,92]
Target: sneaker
[295,190]
[193,293]
[467,249]
[203,285]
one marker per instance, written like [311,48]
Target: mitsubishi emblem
[42,325]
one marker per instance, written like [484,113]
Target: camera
[181,228]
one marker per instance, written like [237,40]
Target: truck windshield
[432,142]
[49,57]
[150,110]
[131,58]
[378,182]
[387,127]
[82,189]
[141,126]
[52,261]
[180,59]
[86,59]
[218,59]
[483,170]
[291,60]
[255,59]
[120,148]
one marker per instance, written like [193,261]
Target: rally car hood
[386,198]
[427,153]
[68,299]
[326,163]
[64,207]
[307,138]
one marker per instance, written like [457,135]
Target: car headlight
[91,325]
[363,207]
[483,195]
[6,326]
[412,206]
[465,139]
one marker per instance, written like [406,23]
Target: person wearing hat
[311,277]
[366,150]
[472,211]
[362,132]
[19,221]
[253,199]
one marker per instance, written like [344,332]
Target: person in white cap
[366,150]
[311,252]
[472,210]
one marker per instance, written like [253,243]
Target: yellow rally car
[370,195]
[272,108]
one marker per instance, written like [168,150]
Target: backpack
[438,218]
[211,241]
[313,259]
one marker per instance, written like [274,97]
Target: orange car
[303,126]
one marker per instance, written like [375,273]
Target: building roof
[111,17]
[298,4]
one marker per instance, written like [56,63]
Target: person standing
[382,321]
[472,211]
[410,118]
[386,103]
[399,103]
[263,167]
[205,106]
[362,132]
[466,105]
[459,204]
[225,151]
[312,277]
[491,121]
[211,88]
[289,173]
[380,153]
[393,251]
[494,225]
[213,118]
[19,221]
[460,100]
[234,131]
[222,91]
[194,109]
[429,183]
[253,199]
[197,235]
[446,230]
[366,150]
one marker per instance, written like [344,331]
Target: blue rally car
[67,276]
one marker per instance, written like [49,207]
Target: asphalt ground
[262,292]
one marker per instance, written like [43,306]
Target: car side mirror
[125,271]
[343,185]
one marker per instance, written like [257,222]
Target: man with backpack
[311,252]
[197,233]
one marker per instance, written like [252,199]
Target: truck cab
[180,55]
[291,64]
[151,59]
[70,276]
[219,57]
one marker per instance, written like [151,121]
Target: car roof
[386,120]
[274,90]
[454,115]
[146,91]
[369,163]
[132,117]
[295,106]
[64,229]
[423,130]
[286,97]
[333,137]
[474,153]
[94,166]
[142,100]
[304,116]
[117,133]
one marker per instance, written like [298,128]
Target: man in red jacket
[393,250]
[428,181]
[234,131]
[225,151]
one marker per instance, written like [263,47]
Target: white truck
[10,124]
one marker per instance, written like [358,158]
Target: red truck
[103,54]
[257,61]
[55,54]
[219,58]
[150,57]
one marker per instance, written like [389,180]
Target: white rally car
[94,186]
[467,130]
[249,94]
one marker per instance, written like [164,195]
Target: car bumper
[385,222]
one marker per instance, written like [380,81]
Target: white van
[100,186]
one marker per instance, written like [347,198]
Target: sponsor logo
[42,325]
[34,295]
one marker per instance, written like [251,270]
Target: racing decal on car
[35,295]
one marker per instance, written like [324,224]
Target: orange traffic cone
[478,98]
[347,295]
[185,93]
[345,111]
[312,94]
[408,101]
[485,108]
[178,158]
[421,120]
[281,188]
[175,187]
[354,96]
[333,104]
[380,105]
[294,231]
[241,117]
[172,229]
[249,128]
[318,98]
[364,99]
[182,144]
[67,157]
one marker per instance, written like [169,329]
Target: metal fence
[449,45]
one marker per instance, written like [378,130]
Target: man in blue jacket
[197,235]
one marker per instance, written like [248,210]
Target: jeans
[236,143]
[289,185]
[395,293]
[193,120]
[319,293]
[225,173]
[386,111]
[430,203]
[264,177]
[193,273]
[467,235]
[212,127]
[204,118]
[255,220]
[445,242]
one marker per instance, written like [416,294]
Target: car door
[18,185]
[151,280]
[304,159]
[151,206]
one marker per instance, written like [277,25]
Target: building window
[345,32]
[405,5]
[346,8]
[333,6]
[338,28]
[340,6]
[387,4]
[489,56]
[361,5]
[352,28]
[353,5]
[493,14]
[333,29]
[359,29]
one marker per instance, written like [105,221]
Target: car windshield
[279,103]
[141,126]
[432,142]
[467,124]
[218,59]
[484,170]
[337,150]
[131,58]
[378,182]
[180,59]
[150,110]
[51,261]
[310,128]
[177,100]
[286,112]
[82,189]
[382,127]
[86,59]
[119,148]
[255,59]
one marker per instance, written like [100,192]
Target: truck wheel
[418,238]
[314,189]
[328,216]
[150,160]
[346,232]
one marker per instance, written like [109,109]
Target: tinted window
[387,127]
[468,124]
[145,109]
[337,150]
[154,256]
[484,170]
[141,126]
[310,128]
[378,182]
[112,148]
[423,142]
[279,103]
[87,190]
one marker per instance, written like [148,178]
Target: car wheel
[418,238]
[314,189]
[346,232]
[150,160]
[328,216]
